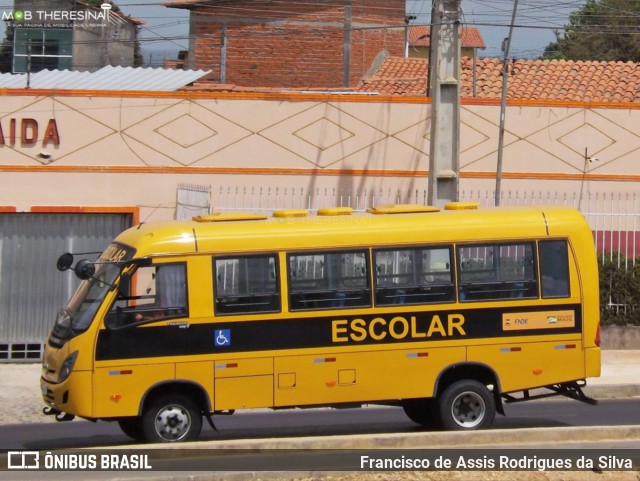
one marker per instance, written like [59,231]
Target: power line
[534,15]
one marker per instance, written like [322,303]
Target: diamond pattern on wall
[323,134]
[576,140]
[472,138]
[329,135]
[186,131]
[197,131]
[417,136]
[585,131]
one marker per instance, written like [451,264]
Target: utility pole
[503,104]
[444,80]
[407,19]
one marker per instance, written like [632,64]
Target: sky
[536,21]
[166,29]
[534,26]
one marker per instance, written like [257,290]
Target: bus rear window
[554,268]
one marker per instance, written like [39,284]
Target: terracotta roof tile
[529,79]
[419,37]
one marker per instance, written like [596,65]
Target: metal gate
[31,288]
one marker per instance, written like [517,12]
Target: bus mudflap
[571,390]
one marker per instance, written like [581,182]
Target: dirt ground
[495,476]
[483,476]
[438,476]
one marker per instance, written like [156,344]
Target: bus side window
[554,268]
[246,284]
[328,280]
[160,293]
[413,276]
[497,271]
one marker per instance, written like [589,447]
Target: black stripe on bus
[343,329]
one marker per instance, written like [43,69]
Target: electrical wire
[533,15]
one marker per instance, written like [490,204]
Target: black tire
[171,418]
[132,427]
[466,405]
[423,412]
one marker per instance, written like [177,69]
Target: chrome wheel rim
[468,409]
[173,423]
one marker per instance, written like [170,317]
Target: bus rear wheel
[466,405]
[171,418]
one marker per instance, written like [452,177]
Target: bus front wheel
[466,405]
[171,418]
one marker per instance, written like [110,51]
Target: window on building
[246,284]
[413,276]
[328,280]
[38,49]
[497,271]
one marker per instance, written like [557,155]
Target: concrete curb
[613,391]
[424,440]
[535,438]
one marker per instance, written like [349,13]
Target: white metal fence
[192,200]
[613,217]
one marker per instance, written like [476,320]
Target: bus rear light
[597,340]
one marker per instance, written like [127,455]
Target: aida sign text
[28,132]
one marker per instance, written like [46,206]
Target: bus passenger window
[413,276]
[159,292]
[554,268]
[328,280]
[246,285]
[497,271]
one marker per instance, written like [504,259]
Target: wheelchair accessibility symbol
[222,337]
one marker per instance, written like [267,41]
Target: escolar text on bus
[397,327]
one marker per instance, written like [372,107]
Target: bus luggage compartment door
[243,383]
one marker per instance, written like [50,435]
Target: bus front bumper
[72,397]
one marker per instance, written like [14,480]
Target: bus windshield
[81,309]
[85,302]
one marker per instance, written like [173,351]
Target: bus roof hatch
[228,216]
[402,209]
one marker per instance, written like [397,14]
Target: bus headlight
[67,367]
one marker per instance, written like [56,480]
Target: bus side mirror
[64,262]
[85,269]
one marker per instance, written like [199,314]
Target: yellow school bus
[446,312]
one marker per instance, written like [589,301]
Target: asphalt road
[322,422]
